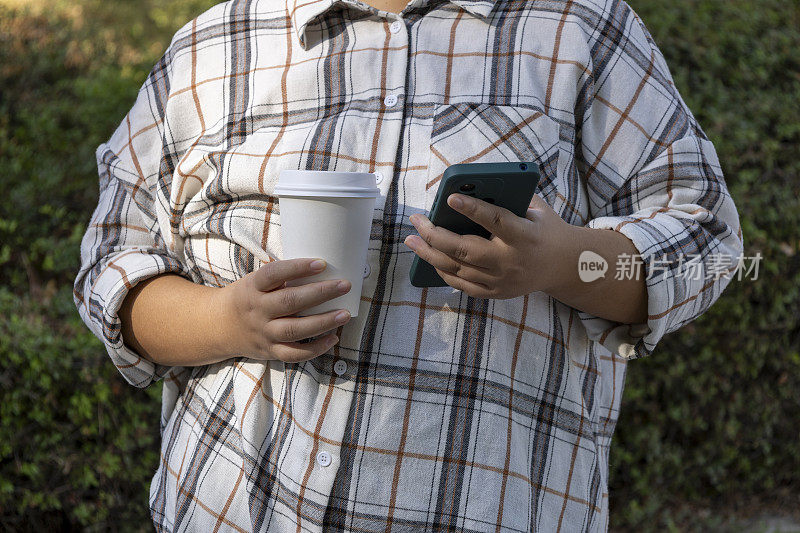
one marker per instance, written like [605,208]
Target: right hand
[257,308]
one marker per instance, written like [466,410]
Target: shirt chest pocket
[466,132]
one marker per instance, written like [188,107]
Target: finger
[297,328]
[476,290]
[537,202]
[537,208]
[470,249]
[290,300]
[444,262]
[294,352]
[497,220]
[272,275]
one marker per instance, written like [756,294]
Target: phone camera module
[523,166]
[466,187]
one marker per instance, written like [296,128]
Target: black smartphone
[510,185]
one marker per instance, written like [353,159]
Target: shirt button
[390,100]
[378,178]
[324,458]
[340,367]
[367,270]
[395,26]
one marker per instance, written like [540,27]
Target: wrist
[565,249]
[218,304]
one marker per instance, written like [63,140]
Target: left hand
[522,255]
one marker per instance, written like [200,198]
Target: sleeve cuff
[679,287]
[115,277]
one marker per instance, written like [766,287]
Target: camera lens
[523,166]
[467,187]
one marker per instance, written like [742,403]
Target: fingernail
[455,201]
[342,285]
[410,243]
[341,316]
[319,264]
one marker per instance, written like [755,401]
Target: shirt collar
[302,13]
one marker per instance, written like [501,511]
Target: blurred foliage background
[710,426]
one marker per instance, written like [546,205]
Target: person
[486,405]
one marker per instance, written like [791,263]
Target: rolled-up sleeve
[123,243]
[653,175]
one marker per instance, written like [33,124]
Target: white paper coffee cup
[328,214]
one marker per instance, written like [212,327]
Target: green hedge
[78,445]
[712,420]
[709,424]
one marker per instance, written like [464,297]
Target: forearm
[172,321]
[619,300]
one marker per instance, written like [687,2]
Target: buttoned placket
[389,118]
[322,458]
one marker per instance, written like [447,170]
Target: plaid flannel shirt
[452,412]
